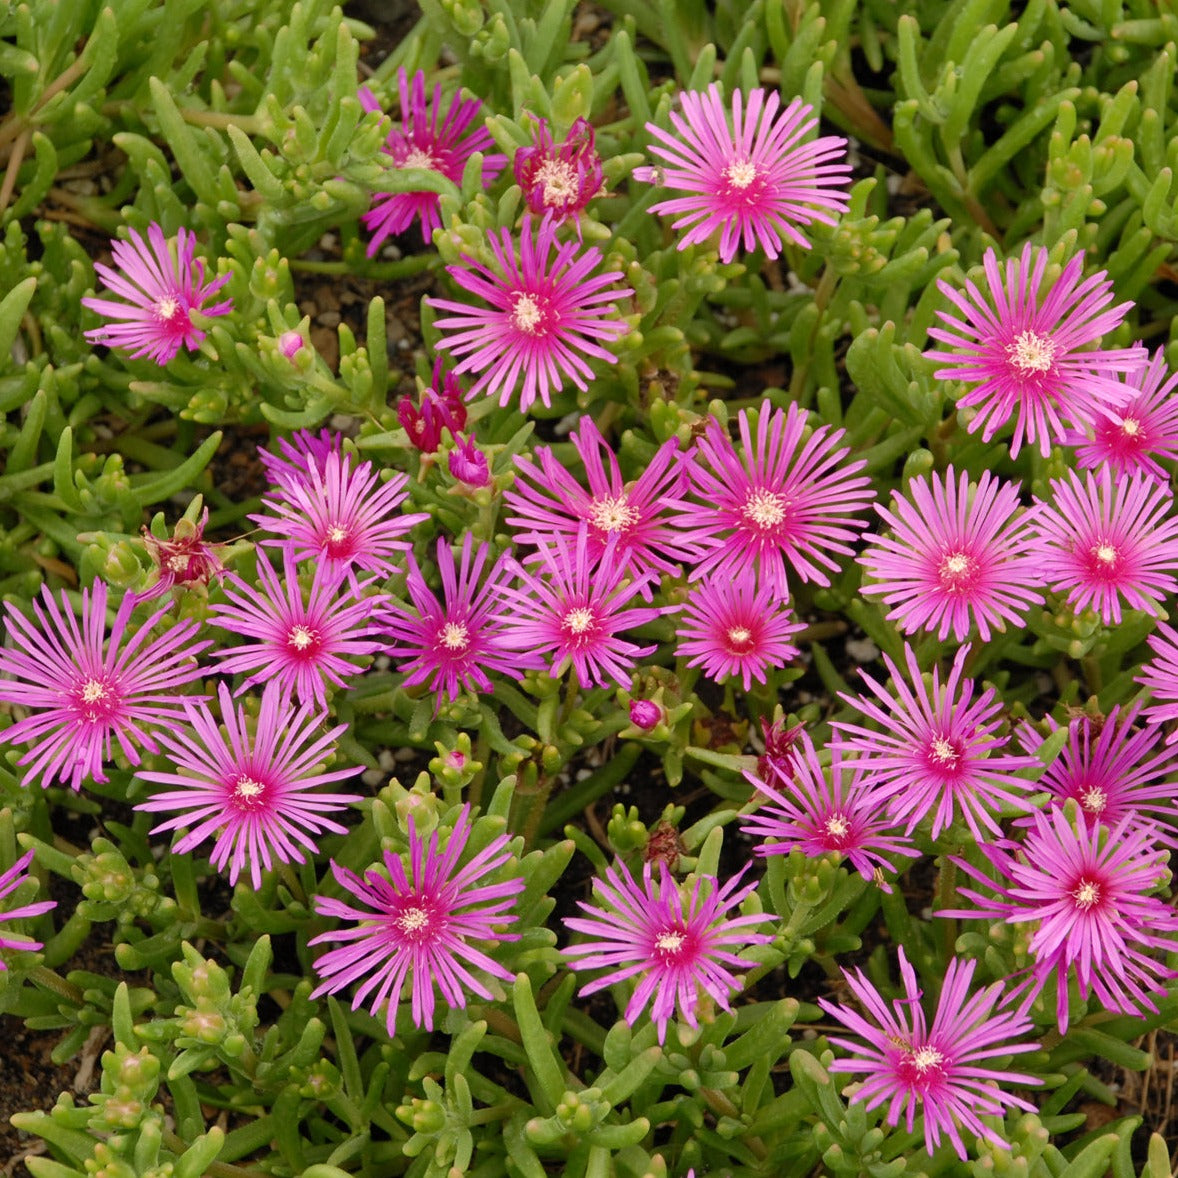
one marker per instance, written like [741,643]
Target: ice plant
[786,501]
[676,942]
[417,926]
[1161,677]
[299,454]
[9,882]
[159,285]
[736,628]
[941,1072]
[1022,344]
[559,180]
[468,464]
[543,316]
[87,691]
[441,408]
[956,556]
[752,179]
[937,750]
[184,560]
[430,140]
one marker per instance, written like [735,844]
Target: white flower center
[418,157]
[612,514]
[1105,554]
[926,1057]
[837,826]
[1131,427]
[246,788]
[578,620]
[526,315]
[1093,799]
[957,571]
[559,180]
[669,942]
[336,533]
[740,173]
[1031,352]
[739,637]
[167,308]
[301,637]
[764,509]
[943,753]
[455,636]
[93,691]
[1086,894]
[413,920]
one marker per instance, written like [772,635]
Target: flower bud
[645,714]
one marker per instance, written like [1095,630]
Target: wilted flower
[185,559]
[441,408]
[468,464]
[559,181]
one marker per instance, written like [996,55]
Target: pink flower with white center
[824,812]
[549,502]
[1023,344]
[938,749]
[1132,437]
[417,926]
[343,517]
[559,181]
[1104,543]
[736,628]
[451,644]
[1161,677]
[574,610]
[430,140]
[942,1071]
[300,454]
[86,689]
[303,638]
[752,179]
[12,879]
[250,787]
[784,501]
[1087,889]
[957,556]
[676,942]
[543,317]
[160,286]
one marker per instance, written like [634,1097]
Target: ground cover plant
[586,588]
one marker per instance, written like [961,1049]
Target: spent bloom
[676,942]
[427,139]
[417,926]
[9,882]
[85,689]
[159,284]
[957,556]
[1022,344]
[559,180]
[468,464]
[441,408]
[753,178]
[249,785]
[184,559]
[941,1071]
[543,316]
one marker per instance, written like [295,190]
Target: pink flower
[1025,341]
[468,464]
[752,179]
[786,500]
[942,1071]
[1161,677]
[183,560]
[250,788]
[86,689]
[938,751]
[441,408]
[676,944]
[559,181]
[780,743]
[421,142]
[542,321]
[736,628]
[419,925]
[301,454]
[954,559]
[1104,543]
[160,285]
[9,882]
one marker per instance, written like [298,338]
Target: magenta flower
[942,1071]
[675,943]
[441,408]
[1023,341]
[252,788]
[824,812]
[787,500]
[160,285]
[86,689]
[544,316]
[422,142]
[1103,542]
[9,882]
[752,179]
[955,557]
[559,181]
[736,628]
[1161,677]
[938,750]
[418,926]
[301,454]
[468,464]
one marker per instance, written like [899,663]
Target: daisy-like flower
[158,284]
[1103,542]
[427,139]
[1161,677]
[736,628]
[1086,888]
[543,317]
[1022,344]
[9,882]
[451,644]
[785,501]
[417,926]
[251,787]
[86,689]
[574,609]
[824,812]
[559,180]
[752,179]
[943,1071]
[549,502]
[292,466]
[938,750]
[303,639]
[956,556]
[675,943]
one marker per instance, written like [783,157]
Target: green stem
[43,976]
